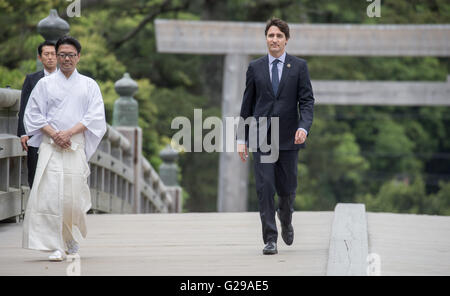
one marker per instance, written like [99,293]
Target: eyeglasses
[64,55]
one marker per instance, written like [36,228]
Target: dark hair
[282,25]
[45,43]
[68,40]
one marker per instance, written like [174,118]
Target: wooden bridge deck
[230,244]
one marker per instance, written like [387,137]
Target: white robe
[62,103]
[60,196]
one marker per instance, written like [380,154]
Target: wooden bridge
[122,180]
[230,244]
[348,241]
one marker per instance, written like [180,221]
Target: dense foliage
[394,159]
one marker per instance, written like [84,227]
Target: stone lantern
[126,107]
[51,28]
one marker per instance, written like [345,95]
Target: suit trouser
[279,177]
[32,158]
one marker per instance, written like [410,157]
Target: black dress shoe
[287,232]
[270,248]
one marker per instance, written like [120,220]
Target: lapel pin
[288,65]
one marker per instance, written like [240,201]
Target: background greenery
[394,159]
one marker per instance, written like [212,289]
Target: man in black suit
[47,55]
[277,86]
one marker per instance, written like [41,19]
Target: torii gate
[238,40]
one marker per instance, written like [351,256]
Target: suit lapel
[285,74]
[37,77]
[265,71]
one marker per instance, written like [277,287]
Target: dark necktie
[275,78]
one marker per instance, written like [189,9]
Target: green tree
[354,153]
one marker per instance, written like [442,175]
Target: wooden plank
[101,159]
[116,204]
[25,196]
[103,202]
[4,174]
[14,172]
[410,245]
[348,242]
[10,204]
[194,244]
[10,146]
[10,98]
[127,207]
[384,93]
[213,37]
[189,244]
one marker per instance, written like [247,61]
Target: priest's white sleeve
[35,112]
[94,119]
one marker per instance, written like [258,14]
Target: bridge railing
[116,185]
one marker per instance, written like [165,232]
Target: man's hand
[63,136]
[23,141]
[243,151]
[62,139]
[300,137]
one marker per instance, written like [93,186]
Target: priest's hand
[62,139]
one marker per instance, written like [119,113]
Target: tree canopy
[394,159]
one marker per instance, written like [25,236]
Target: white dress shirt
[280,65]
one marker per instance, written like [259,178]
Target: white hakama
[60,197]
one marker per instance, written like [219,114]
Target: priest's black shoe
[287,232]
[270,248]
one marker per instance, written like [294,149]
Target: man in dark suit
[277,86]
[47,55]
